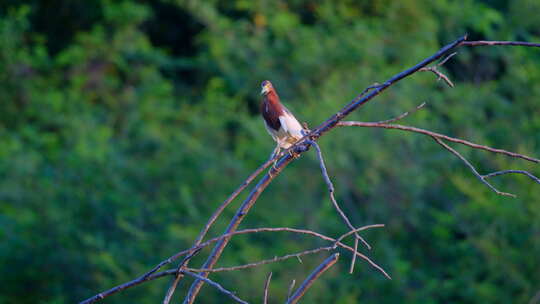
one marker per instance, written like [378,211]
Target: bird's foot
[294,154]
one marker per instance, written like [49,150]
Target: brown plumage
[279,121]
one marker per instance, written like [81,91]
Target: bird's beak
[265,90]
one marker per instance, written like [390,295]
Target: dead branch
[324,266]
[440,75]
[194,250]
[291,288]
[478,175]
[401,116]
[331,191]
[491,43]
[534,178]
[264,262]
[158,275]
[179,275]
[436,135]
[335,243]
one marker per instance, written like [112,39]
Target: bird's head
[266,87]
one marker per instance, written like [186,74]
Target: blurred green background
[124,124]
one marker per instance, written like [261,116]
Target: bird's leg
[275,153]
[293,153]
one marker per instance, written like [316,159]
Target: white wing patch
[290,125]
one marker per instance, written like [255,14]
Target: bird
[278,120]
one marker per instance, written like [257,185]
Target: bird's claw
[294,154]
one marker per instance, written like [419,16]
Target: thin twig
[446,59]
[334,202]
[478,175]
[266,287]
[219,287]
[530,175]
[401,116]
[291,288]
[264,262]
[335,242]
[331,191]
[507,43]
[353,261]
[324,266]
[434,134]
[179,275]
[440,75]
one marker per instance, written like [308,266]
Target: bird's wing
[290,125]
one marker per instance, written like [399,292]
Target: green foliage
[123,124]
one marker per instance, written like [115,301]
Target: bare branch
[219,287]
[446,59]
[437,135]
[440,75]
[401,116]
[353,261]
[336,242]
[266,286]
[478,175]
[291,288]
[324,266]
[507,43]
[154,276]
[149,277]
[531,176]
[179,275]
[331,191]
[264,262]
